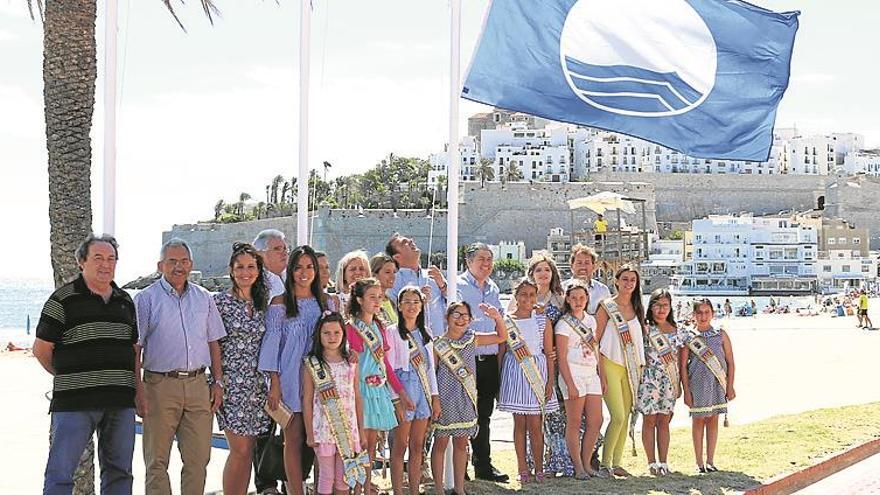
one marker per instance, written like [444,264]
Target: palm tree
[241,200]
[284,189]
[276,182]
[485,171]
[218,209]
[513,174]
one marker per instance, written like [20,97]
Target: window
[845,268]
[831,241]
[856,241]
[841,240]
[826,268]
[866,268]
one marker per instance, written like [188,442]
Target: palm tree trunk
[69,73]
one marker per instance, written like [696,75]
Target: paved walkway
[862,478]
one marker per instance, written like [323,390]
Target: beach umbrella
[602,202]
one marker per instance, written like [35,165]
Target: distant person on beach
[272,249]
[583,264]
[406,252]
[864,319]
[707,373]
[180,331]
[86,339]
[600,226]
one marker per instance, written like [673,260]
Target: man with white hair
[272,248]
[179,332]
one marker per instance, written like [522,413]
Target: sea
[22,299]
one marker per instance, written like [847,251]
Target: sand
[785,364]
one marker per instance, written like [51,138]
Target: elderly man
[179,332]
[86,338]
[583,264]
[272,248]
[475,287]
[408,256]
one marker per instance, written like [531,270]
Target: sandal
[654,469]
[701,470]
[525,477]
[539,477]
[663,469]
[711,468]
[619,471]
[582,476]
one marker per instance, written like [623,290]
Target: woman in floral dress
[241,417]
[657,390]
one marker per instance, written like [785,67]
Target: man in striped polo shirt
[86,338]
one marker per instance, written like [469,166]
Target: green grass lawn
[747,455]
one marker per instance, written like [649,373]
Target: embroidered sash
[630,357]
[373,342]
[418,363]
[527,362]
[354,463]
[698,345]
[668,357]
[583,332]
[451,358]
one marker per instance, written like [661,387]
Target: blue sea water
[18,299]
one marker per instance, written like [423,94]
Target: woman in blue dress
[290,323]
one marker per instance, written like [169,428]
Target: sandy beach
[785,364]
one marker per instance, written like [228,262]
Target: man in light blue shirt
[475,287]
[179,329]
[583,264]
[408,256]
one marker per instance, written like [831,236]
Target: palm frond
[30,4]
[208,7]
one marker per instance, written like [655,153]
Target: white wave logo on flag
[625,57]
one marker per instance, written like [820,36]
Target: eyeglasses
[458,315]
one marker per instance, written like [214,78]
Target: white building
[862,162]
[470,160]
[843,270]
[744,254]
[539,154]
[509,250]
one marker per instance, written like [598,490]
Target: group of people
[388,350]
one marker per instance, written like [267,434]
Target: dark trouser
[488,381]
[72,430]
[261,483]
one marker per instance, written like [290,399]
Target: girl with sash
[352,267]
[384,269]
[707,384]
[528,378]
[619,324]
[581,379]
[333,409]
[366,335]
[415,368]
[455,354]
[660,385]
[290,324]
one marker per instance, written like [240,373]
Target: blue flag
[703,77]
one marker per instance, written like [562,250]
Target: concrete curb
[801,479]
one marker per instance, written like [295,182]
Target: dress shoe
[491,474]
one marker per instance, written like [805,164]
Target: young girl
[659,387]
[582,380]
[329,357]
[455,355]
[707,384]
[384,269]
[415,369]
[619,323]
[528,398]
[367,338]
[290,324]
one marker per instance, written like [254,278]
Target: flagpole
[302,203]
[452,174]
[110,42]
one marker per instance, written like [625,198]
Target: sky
[212,112]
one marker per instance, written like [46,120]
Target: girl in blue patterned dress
[241,416]
[701,389]
[657,393]
[290,323]
[375,372]
[517,395]
[458,407]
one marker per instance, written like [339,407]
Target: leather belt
[178,374]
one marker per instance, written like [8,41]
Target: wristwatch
[219,383]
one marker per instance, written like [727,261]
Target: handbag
[270,463]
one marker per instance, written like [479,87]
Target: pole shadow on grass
[718,483]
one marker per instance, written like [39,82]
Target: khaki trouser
[182,407]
